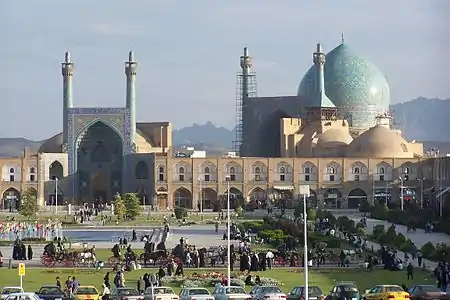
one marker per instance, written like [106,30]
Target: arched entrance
[282,198]
[99,164]
[356,197]
[258,195]
[54,200]
[208,197]
[161,199]
[183,198]
[236,199]
[332,198]
[11,199]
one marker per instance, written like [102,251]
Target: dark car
[427,292]
[344,291]
[51,292]
[298,293]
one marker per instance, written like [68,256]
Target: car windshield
[10,290]
[83,290]
[159,290]
[127,292]
[50,290]
[349,289]
[429,289]
[235,290]
[393,289]
[268,290]
[198,292]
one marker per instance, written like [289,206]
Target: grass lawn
[35,277]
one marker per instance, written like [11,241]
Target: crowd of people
[10,229]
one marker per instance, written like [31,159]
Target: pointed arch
[408,171]
[258,194]
[208,171]
[236,198]
[183,198]
[11,199]
[383,172]
[258,171]
[332,172]
[161,173]
[141,171]
[97,122]
[358,171]
[233,170]
[308,172]
[182,172]
[207,198]
[56,170]
[356,197]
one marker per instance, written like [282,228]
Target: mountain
[420,119]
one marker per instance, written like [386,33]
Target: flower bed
[210,279]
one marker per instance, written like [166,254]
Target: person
[106,280]
[409,271]
[30,252]
[419,258]
[69,285]
[116,251]
[140,285]
[75,285]
[217,227]
[58,282]
[106,292]
[134,238]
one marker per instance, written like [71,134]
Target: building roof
[379,142]
[335,137]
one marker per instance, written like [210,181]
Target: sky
[188,53]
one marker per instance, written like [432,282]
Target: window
[282,170]
[381,170]
[307,170]
[331,177]
[406,170]
[161,174]
[381,177]
[207,170]
[356,177]
[181,177]
[206,177]
[406,178]
[282,177]
[232,170]
[356,170]
[11,170]
[181,170]
[161,177]
[257,170]
[257,177]
[331,170]
[11,177]
[232,177]
[307,178]
[32,177]
[161,169]
[32,170]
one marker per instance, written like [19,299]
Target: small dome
[52,145]
[355,85]
[379,142]
[335,137]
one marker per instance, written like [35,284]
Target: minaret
[130,72]
[67,68]
[246,66]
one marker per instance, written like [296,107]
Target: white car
[160,293]
[10,290]
[230,292]
[195,293]
[22,296]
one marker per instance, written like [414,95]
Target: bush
[400,240]
[428,250]
[378,230]
[311,214]
[180,213]
[365,206]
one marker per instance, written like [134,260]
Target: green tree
[119,207]
[132,205]
[28,205]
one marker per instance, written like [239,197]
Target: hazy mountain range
[420,119]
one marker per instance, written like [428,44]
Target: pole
[305,236]
[401,193]
[228,235]
[56,195]
[373,188]
[201,196]
[386,194]
[21,281]
[421,193]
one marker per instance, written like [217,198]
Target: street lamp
[201,195]
[56,195]
[401,192]
[228,179]
[305,190]
[421,191]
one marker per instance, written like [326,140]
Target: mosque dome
[334,137]
[355,85]
[379,142]
[52,145]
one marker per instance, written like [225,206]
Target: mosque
[335,135]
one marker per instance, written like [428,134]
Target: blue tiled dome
[355,85]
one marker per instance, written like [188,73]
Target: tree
[132,205]
[28,205]
[119,207]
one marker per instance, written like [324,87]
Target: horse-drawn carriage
[58,254]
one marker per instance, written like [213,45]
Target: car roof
[49,285]
[87,286]
[11,287]
[18,294]
[190,288]
[389,285]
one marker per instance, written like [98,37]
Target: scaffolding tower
[245,88]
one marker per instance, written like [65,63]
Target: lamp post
[401,193]
[304,190]
[56,195]
[228,179]
[421,191]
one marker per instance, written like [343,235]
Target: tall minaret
[319,61]
[130,72]
[67,68]
[246,66]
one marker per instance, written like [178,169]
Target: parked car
[10,290]
[267,292]
[385,292]
[160,293]
[87,293]
[51,292]
[230,292]
[298,293]
[344,290]
[126,293]
[427,292]
[22,296]
[195,293]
